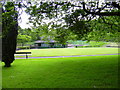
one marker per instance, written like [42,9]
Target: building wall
[48,45]
[45,45]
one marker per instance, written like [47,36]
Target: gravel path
[67,56]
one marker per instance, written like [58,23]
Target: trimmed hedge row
[87,46]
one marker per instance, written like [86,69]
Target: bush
[97,44]
[88,46]
[23,47]
[83,46]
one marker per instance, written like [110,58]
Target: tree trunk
[22,44]
[9,43]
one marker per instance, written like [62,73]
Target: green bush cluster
[88,46]
[92,44]
[97,44]
[52,47]
[23,47]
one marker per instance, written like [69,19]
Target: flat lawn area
[70,51]
[73,72]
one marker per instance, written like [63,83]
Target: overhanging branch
[101,13]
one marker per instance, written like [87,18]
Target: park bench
[23,53]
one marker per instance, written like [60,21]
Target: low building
[48,44]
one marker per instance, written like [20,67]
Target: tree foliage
[10,31]
[24,35]
[105,29]
[78,17]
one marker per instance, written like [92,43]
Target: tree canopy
[80,18]
[9,32]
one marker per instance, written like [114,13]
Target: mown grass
[70,51]
[75,72]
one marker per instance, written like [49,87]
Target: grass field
[70,51]
[75,72]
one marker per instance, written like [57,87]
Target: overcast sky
[24,17]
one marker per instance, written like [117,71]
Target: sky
[23,24]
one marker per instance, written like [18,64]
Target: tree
[99,11]
[62,34]
[10,31]
[24,35]
[105,29]
[75,16]
[23,39]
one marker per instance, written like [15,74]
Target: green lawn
[70,51]
[73,72]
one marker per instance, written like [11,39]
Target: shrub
[23,47]
[96,44]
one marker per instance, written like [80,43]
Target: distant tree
[75,15]
[24,35]
[62,34]
[23,39]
